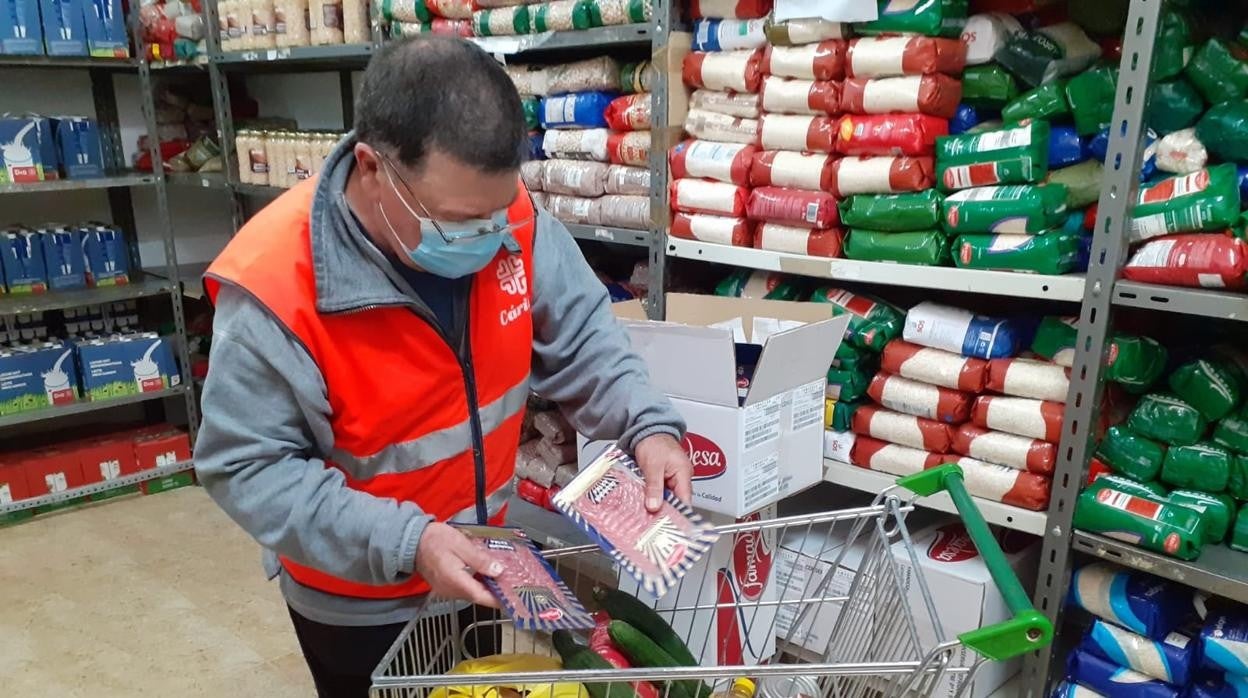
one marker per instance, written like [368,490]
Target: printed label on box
[762,421]
[808,404]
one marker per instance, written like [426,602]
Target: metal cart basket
[873,647]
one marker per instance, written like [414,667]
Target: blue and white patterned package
[728,34]
[1224,642]
[1113,681]
[1138,602]
[1068,689]
[576,110]
[1098,147]
[1213,685]
[1170,660]
[1065,147]
[962,332]
[535,146]
[964,119]
[1242,171]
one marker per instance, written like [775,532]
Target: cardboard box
[107,258]
[27,148]
[50,470]
[963,593]
[64,27]
[36,377]
[159,450]
[804,570]
[107,458]
[21,33]
[754,448]
[78,147]
[106,29]
[21,255]
[13,487]
[62,257]
[126,364]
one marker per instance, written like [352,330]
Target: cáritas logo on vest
[708,459]
[513,281]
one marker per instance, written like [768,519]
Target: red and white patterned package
[713,126]
[797,132]
[607,501]
[920,399]
[797,207]
[738,71]
[451,9]
[528,589]
[881,175]
[934,366]
[808,241]
[740,104]
[904,429]
[889,134]
[723,162]
[632,148]
[936,94]
[793,96]
[1006,485]
[701,196]
[822,61]
[881,57]
[894,459]
[782,168]
[1020,415]
[720,230]
[1041,380]
[629,112]
[1019,452]
[1200,260]
[734,9]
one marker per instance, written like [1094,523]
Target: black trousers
[342,658]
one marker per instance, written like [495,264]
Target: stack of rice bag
[546,460]
[507,17]
[590,140]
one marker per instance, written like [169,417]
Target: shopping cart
[874,646]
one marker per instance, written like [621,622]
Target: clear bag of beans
[602,73]
[623,211]
[574,177]
[713,126]
[502,21]
[531,174]
[625,179]
[746,106]
[576,144]
[529,79]
[570,209]
[355,25]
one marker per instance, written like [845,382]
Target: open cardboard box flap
[689,359]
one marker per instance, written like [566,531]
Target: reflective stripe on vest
[396,389]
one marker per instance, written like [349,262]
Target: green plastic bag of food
[1239,533]
[1082,182]
[1174,46]
[1218,72]
[1208,386]
[532,112]
[1123,484]
[1047,101]
[1019,208]
[906,16]
[845,384]
[1015,155]
[1201,466]
[1130,454]
[1231,432]
[1237,480]
[853,358]
[1053,252]
[892,212]
[1217,510]
[1151,523]
[843,414]
[1207,199]
[1133,361]
[988,86]
[635,77]
[1224,130]
[926,247]
[768,285]
[872,322]
[585,15]
[1173,106]
[1091,98]
[1045,54]
[1167,418]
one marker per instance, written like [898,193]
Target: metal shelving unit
[621,236]
[97,488]
[86,406]
[117,181]
[1219,570]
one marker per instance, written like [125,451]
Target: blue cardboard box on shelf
[106,29]
[21,255]
[64,27]
[35,376]
[20,31]
[126,364]
[78,147]
[108,260]
[27,149]
[62,256]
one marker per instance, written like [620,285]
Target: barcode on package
[762,482]
[762,422]
[808,404]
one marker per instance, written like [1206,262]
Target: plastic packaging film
[1082,183]
[846,384]
[814,242]
[1148,522]
[935,366]
[1224,643]
[1224,130]
[1131,455]
[624,179]
[1134,360]
[1010,450]
[797,132]
[794,96]
[632,212]
[724,162]
[988,87]
[737,9]
[1231,432]
[629,148]
[1031,55]
[881,175]
[629,112]
[789,169]
[1167,418]
[1173,105]
[728,34]
[531,172]
[1055,252]
[716,198]
[892,212]
[502,21]
[1217,73]
[1171,659]
[578,178]
[570,209]
[877,57]
[720,230]
[576,144]
[822,61]
[1005,209]
[889,134]
[1004,484]
[936,94]
[1181,152]
[907,430]
[920,399]
[811,30]
[1048,101]
[1029,378]
[1210,386]
[737,71]
[927,247]
[873,324]
[714,126]
[1218,511]
[894,459]
[1202,466]
[794,207]
[1017,415]
[961,331]
[746,106]
[602,73]
[1091,98]
[1139,602]
[1204,200]
[1016,155]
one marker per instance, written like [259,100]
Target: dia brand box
[27,149]
[78,147]
[106,458]
[50,470]
[21,255]
[159,450]
[38,376]
[107,259]
[13,486]
[106,29]
[64,27]
[21,33]
[63,259]
[126,365]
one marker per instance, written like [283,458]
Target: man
[377,334]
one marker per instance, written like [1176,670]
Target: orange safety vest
[411,420]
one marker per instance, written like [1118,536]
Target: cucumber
[644,652]
[626,607]
[566,644]
[585,658]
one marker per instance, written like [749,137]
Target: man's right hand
[447,560]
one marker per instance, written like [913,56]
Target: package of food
[1202,466]
[1181,152]
[1167,418]
[1224,130]
[728,34]
[1173,106]
[1107,678]
[798,240]
[928,18]
[988,87]
[1101,477]
[1224,638]
[501,21]
[894,459]
[1204,200]
[1098,147]
[1005,209]
[701,196]
[1211,387]
[574,177]
[629,148]
[920,399]
[636,77]
[838,414]
[1037,419]
[714,126]
[529,590]
[618,211]
[745,106]
[720,230]
[1218,71]
[1015,155]
[926,247]
[846,384]
[935,94]
[1215,685]
[1210,260]
[1053,253]
[735,9]
[892,212]
[570,209]
[872,323]
[532,112]
[725,162]
[624,179]
[563,15]
[601,73]
[607,501]
[1218,510]
[1131,455]
[576,144]
[1148,522]
[889,134]
[1048,101]
[854,358]
[795,207]
[1133,360]
[1136,601]
[822,61]
[793,96]
[1091,98]
[1048,53]
[1029,378]
[1231,432]
[1065,148]
[1010,450]
[881,175]
[807,30]
[1000,483]
[961,331]
[1173,659]
[782,168]
[797,132]
[904,429]
[881,57]
[935,366]
[738,71]
[629,112]
[1082,182]
[837,445]
[531,172]
[404,11]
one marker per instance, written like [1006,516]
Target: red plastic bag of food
[630,148]
[935,94]
[799,240]
[935,366]
[881,175]
[794,96]
[629,112]
[1202,260]
[797,132]
[1021,452]
[738,71]
[782,168]
[920,399]
[720,230]
[735,9]
[1038,419]
[701,196]
[1000,483]
[889,134]
[725,162]
[894,459]
[796,207]
[881,57]
[904,429]
[822,61]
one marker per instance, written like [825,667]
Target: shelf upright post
[222,110]
[665,16]
[1119,189]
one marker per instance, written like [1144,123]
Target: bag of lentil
[1130,454]
[1091,98]
[1047,101]
[502,21]
[927,247]
[1208,386]
[1007,209]
[1054,252]
[1173,106]
[988,86]
[1216,509]
[1017,155]
[1082,183]
[1167,418]
[1218,71]
[608,13]
[1203,200]
[636,77]
[601,73]
[1202,466]
[1224,130]
[892,212]
[563,15]
[872,322]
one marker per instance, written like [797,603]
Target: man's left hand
[664,463]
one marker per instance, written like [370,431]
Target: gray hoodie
[266,417]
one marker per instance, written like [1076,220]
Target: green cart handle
[1029,629]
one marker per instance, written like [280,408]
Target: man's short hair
[441,93]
